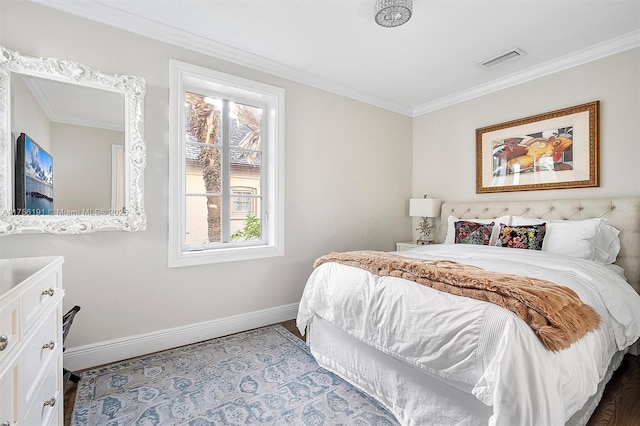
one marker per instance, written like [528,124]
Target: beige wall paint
[348,176]
[28,116]
[82,167]
[444,146]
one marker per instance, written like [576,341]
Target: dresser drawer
[9,327]
[31,390]
[41,348]
[44,407]
[9,395]
[39,296]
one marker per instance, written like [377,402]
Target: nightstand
[406,245]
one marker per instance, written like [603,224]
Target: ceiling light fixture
[393,13]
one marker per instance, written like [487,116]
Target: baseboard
[92,355]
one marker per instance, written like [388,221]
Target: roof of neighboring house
[238,132]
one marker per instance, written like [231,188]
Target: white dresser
[31,388]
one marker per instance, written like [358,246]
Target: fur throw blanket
[555,313]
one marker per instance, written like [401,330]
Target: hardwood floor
[620,404]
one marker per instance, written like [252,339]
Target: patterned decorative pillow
[523,237]
[472,232]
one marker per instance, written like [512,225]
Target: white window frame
[185,77]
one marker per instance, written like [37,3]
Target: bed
[436,358]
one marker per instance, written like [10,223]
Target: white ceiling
[428,63]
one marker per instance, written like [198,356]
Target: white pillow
[590,239]
[451,228]
[525,221]
[606,244]
[572,237]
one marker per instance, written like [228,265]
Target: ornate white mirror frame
[132,217]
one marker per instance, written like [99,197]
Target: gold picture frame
[554,150]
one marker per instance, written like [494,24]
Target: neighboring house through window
[226,167]
[243,201]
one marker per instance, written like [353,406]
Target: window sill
[231,254]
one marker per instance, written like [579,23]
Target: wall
[348,178]
[28,116]
[444,143]
[82,166]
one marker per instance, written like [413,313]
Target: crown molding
[110,16]
[113,17]
[41,96]
[598,51]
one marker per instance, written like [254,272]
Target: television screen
[34,178]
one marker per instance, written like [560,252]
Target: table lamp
[426,208]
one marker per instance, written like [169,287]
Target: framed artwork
[554,150]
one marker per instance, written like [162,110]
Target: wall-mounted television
[33,177]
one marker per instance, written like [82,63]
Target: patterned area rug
[260,377]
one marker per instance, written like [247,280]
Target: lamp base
[423,242]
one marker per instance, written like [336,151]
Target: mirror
[72,152]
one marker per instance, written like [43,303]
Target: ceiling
[429,63]
[79,105]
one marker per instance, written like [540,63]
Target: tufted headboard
[622,213]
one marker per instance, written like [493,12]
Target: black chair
[67,320]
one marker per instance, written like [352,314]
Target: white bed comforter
[476,346]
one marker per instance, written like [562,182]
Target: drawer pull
[49,345]
[4,341]
[48,292]
[50,402]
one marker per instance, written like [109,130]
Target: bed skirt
[413,396]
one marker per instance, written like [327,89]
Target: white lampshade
[424,207]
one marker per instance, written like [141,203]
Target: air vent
[501,59]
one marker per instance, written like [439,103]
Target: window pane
[203,169]
[245,126]
[245,161]
[246,226]
[202,219]
[202,118]
[242,203]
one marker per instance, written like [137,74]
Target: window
[243,201]
[226,167]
